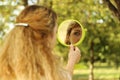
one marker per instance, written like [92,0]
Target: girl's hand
[74,55]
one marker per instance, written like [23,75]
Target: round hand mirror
[70,32]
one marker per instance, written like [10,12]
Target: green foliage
[102,72]
[102,27]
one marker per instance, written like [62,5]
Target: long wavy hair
[26,53]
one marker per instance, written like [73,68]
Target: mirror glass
[70,32]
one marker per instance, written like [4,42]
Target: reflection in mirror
[74,33]
[70,32]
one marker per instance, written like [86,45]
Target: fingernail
[74,48]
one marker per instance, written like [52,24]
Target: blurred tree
[6,10]
[114,6]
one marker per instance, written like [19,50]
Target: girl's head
[74,33]
[41,20]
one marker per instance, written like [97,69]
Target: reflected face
[70,32]
[75,35]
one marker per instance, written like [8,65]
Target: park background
[101,47]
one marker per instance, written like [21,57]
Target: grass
[101,72]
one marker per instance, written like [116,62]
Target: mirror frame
[82,37]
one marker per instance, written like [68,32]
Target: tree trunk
[118,4]
[113,8]
[91,75]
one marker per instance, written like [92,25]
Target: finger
[78,51]
[72,47]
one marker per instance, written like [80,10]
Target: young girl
[26,53]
